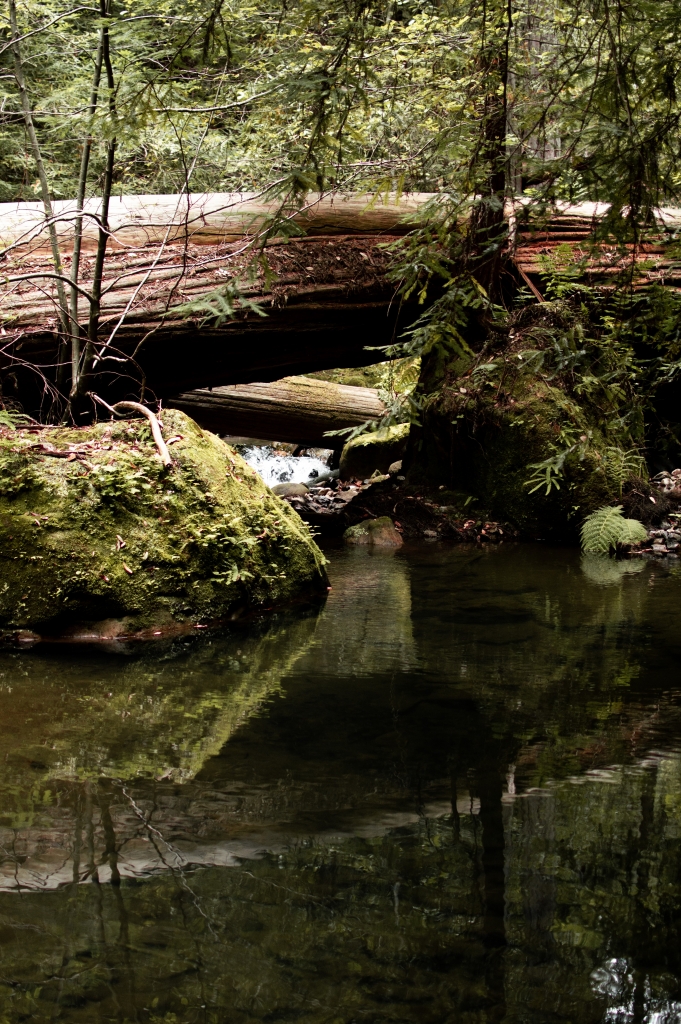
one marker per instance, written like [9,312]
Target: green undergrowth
[94,529]
[543,424]
[606,529]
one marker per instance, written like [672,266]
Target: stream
[449,793]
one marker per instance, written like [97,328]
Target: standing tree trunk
[490,162]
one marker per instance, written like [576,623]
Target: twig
[153,423]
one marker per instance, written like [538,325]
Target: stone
[378,450]
[395,467]
[374,533]
[289,490]
[94,531]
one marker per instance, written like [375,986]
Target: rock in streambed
[380,533]
[94,530]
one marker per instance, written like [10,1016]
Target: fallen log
[296,409]
[183,307]
[211,218]
[321,303]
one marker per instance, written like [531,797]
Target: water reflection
[453,793]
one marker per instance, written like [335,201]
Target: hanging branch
[44,186]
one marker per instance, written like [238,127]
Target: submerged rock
[378,450]
[94,530]
[375,533]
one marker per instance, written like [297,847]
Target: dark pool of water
[452,794]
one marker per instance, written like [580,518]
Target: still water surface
[451,794]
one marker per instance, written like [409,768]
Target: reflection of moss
[154,717]
[108,534]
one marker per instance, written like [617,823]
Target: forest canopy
[574,100]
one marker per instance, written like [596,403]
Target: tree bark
[323,305]
[296,409]
[213,218]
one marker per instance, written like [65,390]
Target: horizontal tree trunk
[324,304]
[296,409]
[212,218]
[179,278]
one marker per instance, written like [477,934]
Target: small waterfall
[275,468]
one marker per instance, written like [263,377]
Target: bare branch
[117,410]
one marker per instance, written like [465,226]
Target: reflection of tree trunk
[111,855]
[539,886]
[77,839]
[110,852]
[456,817]
[639,874]
[489,791]
[639,1007]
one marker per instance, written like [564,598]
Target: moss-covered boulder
[380,533]
[94,530]
[374,451]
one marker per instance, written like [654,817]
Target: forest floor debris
[334,506]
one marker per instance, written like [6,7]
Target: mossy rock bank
[520,437]
[95,535]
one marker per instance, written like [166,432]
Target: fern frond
[605,528]
[602,529]
[14,420]
[633,532]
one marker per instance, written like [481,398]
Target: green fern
[633,532]
[13,420]
[620,465]
[605,528]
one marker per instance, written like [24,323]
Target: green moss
[373,451]
[492,428]
[108,533]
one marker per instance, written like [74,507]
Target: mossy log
[296,409]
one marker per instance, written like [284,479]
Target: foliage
[606,528]
[476,102]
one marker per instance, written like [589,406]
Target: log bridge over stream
[320,297]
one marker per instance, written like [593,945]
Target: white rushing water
[283,469]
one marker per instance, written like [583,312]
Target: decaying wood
[179,278]
[323,300]
[215,218]
[566,238]
[295,409]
